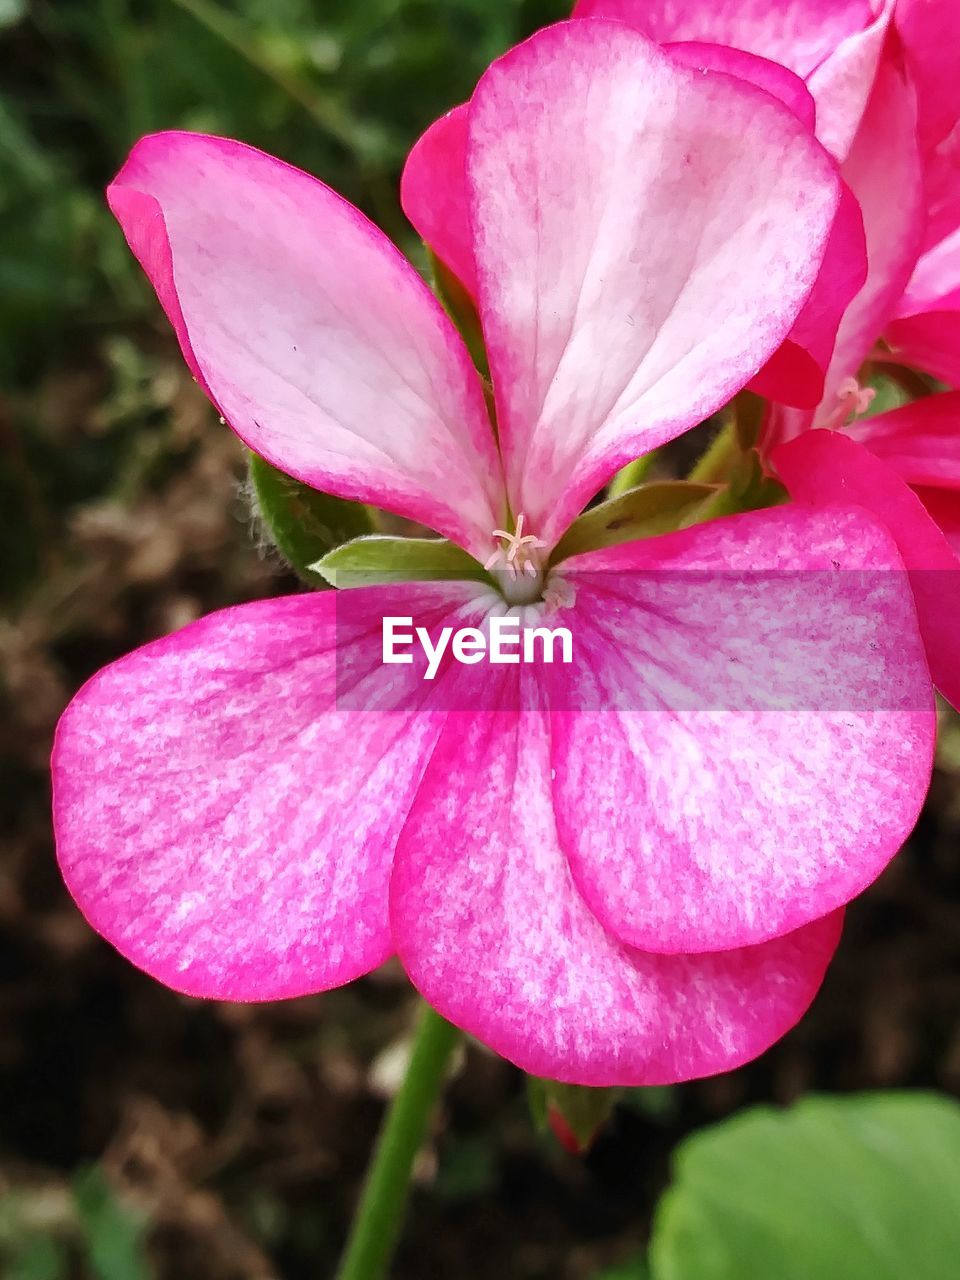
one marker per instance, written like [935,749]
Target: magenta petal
[493,932]
[318,342]
[930,30]
[606,273]
[921,441]
[824,467]
[220,820]
[796,373]
[930,342]
[433,192]
[759,726]
[884,158]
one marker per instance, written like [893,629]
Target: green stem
[712,466]
[631,475]
[379,1215]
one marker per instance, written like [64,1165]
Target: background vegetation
[147,1135]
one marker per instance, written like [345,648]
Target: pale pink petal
[844,81]
[920,441]
[318,342]
[625,298]
[777,80]
[796,373]
[227,799]
[883,171]
[930,30]
[826,467]
[930,342]
[940,169]
[935,283]
[491,929]
[433,192]
[750,726]
[799,34]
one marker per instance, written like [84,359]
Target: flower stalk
[379,1217]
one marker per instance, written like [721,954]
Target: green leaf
[641,513]
[863,1187]
[112,1231]
[377,558]
[41,1258]
[303,523]
[633,1269]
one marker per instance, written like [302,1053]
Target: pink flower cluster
[631,870]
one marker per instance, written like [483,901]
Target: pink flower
[883,77]
[435,199]
[628,870]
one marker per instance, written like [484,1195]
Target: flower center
[852,401]
[517,564]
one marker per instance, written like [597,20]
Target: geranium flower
[627,870]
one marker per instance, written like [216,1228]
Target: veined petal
[226,815]
[318,342]
[433,192]
[799,34]
[750,726]
[491,929]
[617,202]
[920,441]
[824,467]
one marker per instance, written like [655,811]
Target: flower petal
[221,819]
[799,34]
[750,726]
[884,158]
[844,81]
[493,932]
[777,80]
[796,373]
[824,467]
[433,192]
[920,441]
[317,341]
[930,30]
[930,342]
[645,237]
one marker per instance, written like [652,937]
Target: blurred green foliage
[339,87]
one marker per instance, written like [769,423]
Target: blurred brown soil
[241,1131]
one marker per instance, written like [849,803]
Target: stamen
[852,401]
[519,555]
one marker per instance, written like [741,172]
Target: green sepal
[378,559]
[575,1113]
[749,489]
[655,508]
[461,309]
[303,523]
